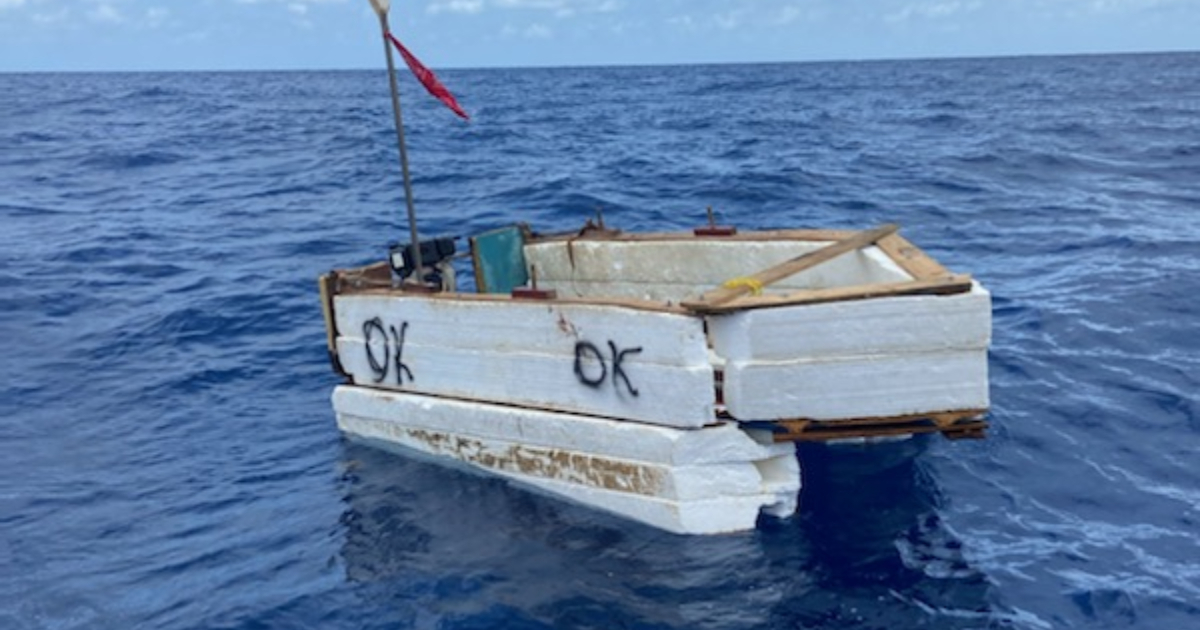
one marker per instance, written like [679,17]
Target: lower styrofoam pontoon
[692,481]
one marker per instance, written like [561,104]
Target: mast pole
[381,10]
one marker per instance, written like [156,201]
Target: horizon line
[982,57]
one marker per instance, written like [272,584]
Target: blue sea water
[169,458]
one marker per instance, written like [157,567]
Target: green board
[499,258]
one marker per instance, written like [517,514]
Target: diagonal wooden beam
[741,286]
[911,258]
[958,283]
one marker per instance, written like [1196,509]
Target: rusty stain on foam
[568,466]
[566,327]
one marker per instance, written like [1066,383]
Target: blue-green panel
[500,260]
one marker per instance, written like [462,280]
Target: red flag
[428,79]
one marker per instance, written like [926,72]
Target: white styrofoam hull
[613,393]
[691,481]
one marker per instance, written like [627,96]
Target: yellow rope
[755,286]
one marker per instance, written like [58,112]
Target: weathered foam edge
[680,483]
[722,443]
[711,516]
[686,515]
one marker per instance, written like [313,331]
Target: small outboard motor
[435,260]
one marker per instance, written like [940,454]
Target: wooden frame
[929,277]
[954,425]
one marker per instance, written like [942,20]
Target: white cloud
[292,3]
[728,21]
[934,9]
[788,14]
[455,6]
[1117,6]
[155,17]
[538,31]
[56,17]
[560,8]
[532,4]
[684,22]
[106,13]
[531,31]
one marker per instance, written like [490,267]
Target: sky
[121,35]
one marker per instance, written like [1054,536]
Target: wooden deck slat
[912,258]
[960,283]
[968,423]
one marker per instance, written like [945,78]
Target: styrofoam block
[712,516]
[601,360]
[679,483]
[670,498]
[858,387]
[917,323]
[716,444]
[525,327]
[781,477]
[697,499]
[655,393]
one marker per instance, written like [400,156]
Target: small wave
[11,210]
[153,92]
[1070,129]
[130,161]
[34,137]
[94,254]
[940,121]
[947,104]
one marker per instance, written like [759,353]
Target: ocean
[168,453]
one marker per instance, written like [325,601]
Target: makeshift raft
[662,377]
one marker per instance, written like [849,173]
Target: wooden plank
[326,284]
[938,418]
[960,283]
[727,293]
[373,276]
[966,423]
[911,258]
